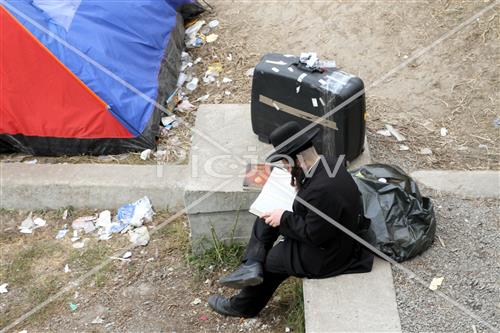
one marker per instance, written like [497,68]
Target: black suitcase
[284,89]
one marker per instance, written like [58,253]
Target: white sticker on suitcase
[315,102]
[297,89]
[290,69]
[275,70]
[301,77]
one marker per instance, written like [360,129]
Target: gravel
[467,258]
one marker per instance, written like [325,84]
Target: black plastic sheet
[402,221]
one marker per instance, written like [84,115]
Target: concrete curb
[99,186]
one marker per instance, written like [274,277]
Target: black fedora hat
[296,145]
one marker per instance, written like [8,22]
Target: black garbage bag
[402,222]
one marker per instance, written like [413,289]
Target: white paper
[276,193]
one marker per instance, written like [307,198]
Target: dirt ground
[453,86]
[154,291]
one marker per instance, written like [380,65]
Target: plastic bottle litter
[139,236]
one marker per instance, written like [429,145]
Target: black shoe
[222,305]
[244,276]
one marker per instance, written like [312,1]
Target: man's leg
[251,272]
[261,241]
[251,300]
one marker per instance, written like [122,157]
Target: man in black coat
[312,247]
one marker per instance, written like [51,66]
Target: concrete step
[353,302]
[469,184]
[90,185]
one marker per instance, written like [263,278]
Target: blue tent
[110,62]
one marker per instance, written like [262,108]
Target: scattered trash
[197,60]
[166,121]
[287,329]
[250,71]
[196,301]
[425,151]
[308,58]
[61,233]
[75,236]
[79,245]
[441,241]
[139,236]
[191,35]
[73,306]
[395,133]
[496,122]
[3,288]
[35,161]
[227,93]
[85,223]
[444,131]
[212,38]
[192,85]
[97,320]
[66,269]
[65,214]
[229,57]
[226,80]
[203,317]
[27,225]
[127,255]
[145,154]
[185,106]
[136,213]
[213,24]
[404,147]
[39,222]
[435,283]
[104,219]
[23,331]
[384,132]
[202,98]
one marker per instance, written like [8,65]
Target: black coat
[315,247]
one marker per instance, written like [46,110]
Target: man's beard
[298,176]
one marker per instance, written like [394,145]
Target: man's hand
[273,218]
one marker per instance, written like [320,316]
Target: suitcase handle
[304,68]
